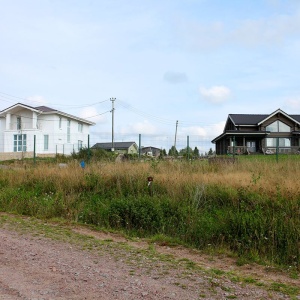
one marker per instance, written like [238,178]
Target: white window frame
[20,142]
[275,127]
[46,142]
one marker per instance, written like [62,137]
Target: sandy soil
[36,267]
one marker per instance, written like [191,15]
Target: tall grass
[251,207]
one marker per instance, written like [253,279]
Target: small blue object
[82,164]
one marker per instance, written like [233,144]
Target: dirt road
[48,261]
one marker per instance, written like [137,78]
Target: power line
[8,96]
[159,119]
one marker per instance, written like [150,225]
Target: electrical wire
[123,104]
[8,96]
[159,119]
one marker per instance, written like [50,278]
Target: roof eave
[278,111]
[234,133]
[68,116]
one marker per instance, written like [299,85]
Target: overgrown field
[251,208]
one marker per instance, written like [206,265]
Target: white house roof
[45,110]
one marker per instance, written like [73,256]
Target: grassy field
[250,208]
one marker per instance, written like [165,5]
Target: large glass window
[278,126]
[80,127]
[282,142]
[46,142]
[19,142]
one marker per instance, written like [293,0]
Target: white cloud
[293,103]
[266,31]
[144,127]
[251,32]
[36,100]
[215,94]
[93,115]
[209,131]
[193,130]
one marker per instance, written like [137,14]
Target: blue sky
[194,61]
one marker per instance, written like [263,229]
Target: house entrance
[251,146]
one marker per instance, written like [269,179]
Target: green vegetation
[251,208]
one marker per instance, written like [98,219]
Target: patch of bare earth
[36,267]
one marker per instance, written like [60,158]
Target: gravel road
[76,263]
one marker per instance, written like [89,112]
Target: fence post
[188,147]
[34,157]
[233,146]
[89,154]
[277,145]
[140,140]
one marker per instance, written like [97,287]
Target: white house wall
[58,137]
[39,125]
[26,120]
[2,128]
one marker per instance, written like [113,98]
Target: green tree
[196,152]
[162,153]
[210,152]
[173,151]
[184,151]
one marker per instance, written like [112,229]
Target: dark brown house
[246,133]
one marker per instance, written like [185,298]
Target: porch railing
[237,150]
[24,126]
[267,150]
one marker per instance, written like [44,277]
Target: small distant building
[150,151]
[120,147]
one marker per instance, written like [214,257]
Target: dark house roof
[117,145]
[246,119]
[45,109]
[251,120]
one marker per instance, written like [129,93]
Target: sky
[191,61]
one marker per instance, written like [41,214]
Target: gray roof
[255,119]
[117,145]
[247,119]
[296,117]
[45,109]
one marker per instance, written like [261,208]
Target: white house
[24,129]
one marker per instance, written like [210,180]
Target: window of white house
[19,142]
[80,127]
[59,123]
[282,142]
[69,131]
[19,125]
[79,145]
[46,142]
[278,126]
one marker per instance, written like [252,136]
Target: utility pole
[175,137]
[112,124]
